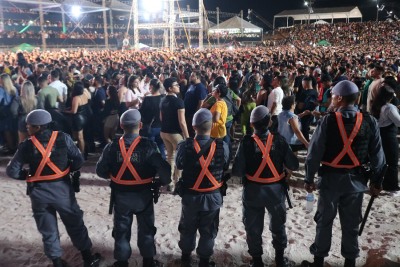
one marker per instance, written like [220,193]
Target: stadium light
[152,6]
[76,11]
[306,3]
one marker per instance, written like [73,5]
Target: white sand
[21,245]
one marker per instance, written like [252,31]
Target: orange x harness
[347,141]
[204,163]
[266,160]
[137,180]
[46,153]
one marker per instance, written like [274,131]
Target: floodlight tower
[201,23]
[171,25]
[135,11]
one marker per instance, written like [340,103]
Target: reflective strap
[347,141]
[205,163]
[137,180]
[266,160]
[46,153]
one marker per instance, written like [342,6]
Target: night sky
[268,8]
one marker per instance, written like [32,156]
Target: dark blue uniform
[262,194]
[342,188]
[200,209]
[133,199]
[52,197]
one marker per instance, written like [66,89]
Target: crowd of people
[276,94]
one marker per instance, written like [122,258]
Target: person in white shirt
[274,103]
[61,88]
[145,84]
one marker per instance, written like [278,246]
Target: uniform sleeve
[14,167]
[375,152]
[316,150]
[161,165]
[73,154]
[239,163]
[180,154]
[102,165]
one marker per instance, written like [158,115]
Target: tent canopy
[324,43]
[321,22]
[23,47]
[116,5]
[235,25]
[330,13]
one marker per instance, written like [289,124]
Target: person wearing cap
[342,143]
[51,157]
[132,162]
[264,161]
[202,160]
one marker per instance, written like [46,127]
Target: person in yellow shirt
[219,111]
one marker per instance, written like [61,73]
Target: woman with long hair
[133,97]
[122,91]
[110,114]
[219,112]
[8,121]
[79,111]
[388,120]
[150,111]
[28,102]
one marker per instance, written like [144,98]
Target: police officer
[342,143]
[51,156]
[264,160]
[202,160]
[132,162]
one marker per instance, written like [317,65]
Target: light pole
[377,10]
[308,4]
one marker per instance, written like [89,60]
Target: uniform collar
[130,135]
[202,137]
[261,134]
[347,108]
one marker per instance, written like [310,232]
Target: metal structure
[169,24]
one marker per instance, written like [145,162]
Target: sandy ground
[20,242]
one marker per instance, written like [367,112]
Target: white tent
[321,22]
[330,13]
[235,25]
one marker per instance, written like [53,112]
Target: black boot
[205,262]
[89,259]
[58,262]
[318,262]
[280,260]
[257,262]
[120,264]
[349,263]
[150,262]
[186,260]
